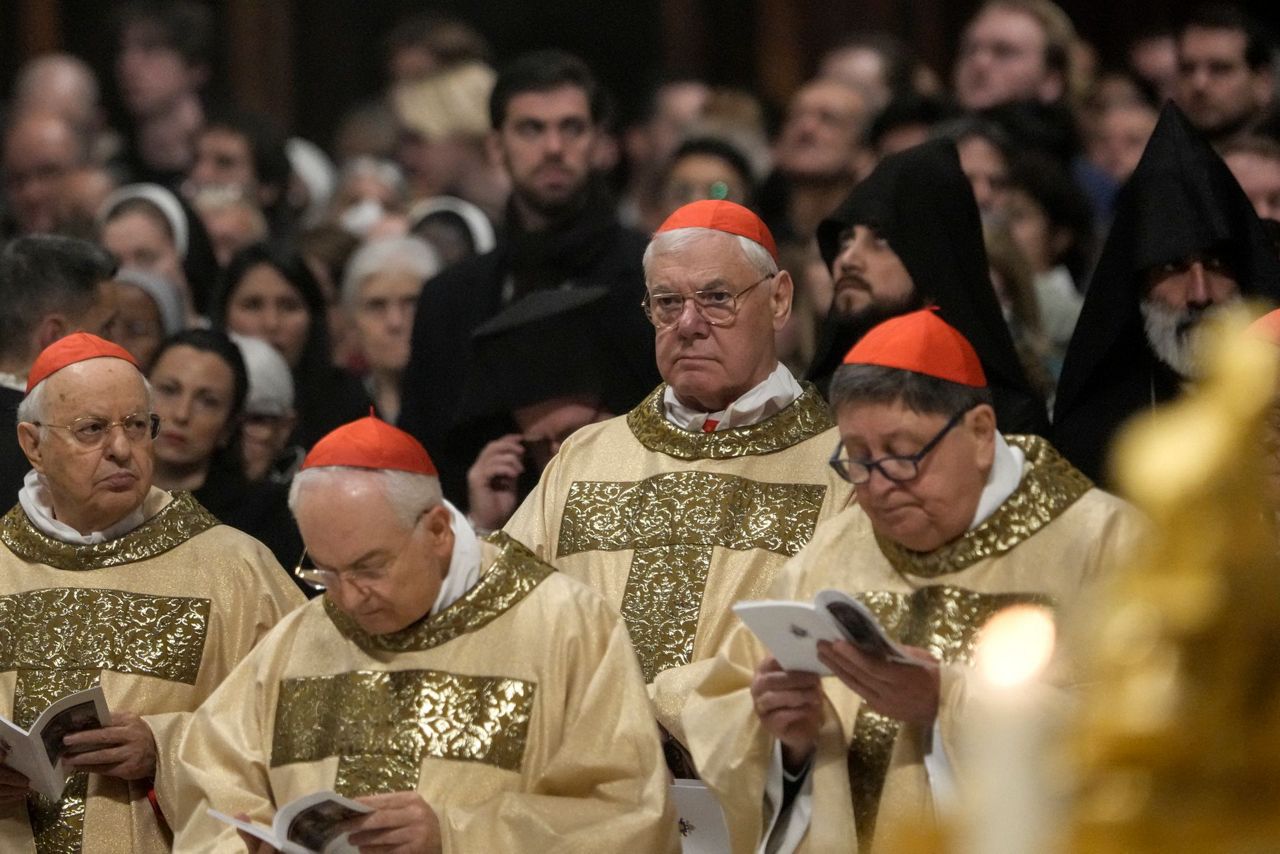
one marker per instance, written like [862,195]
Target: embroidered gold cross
[381,724]
[59,640]
[674,522]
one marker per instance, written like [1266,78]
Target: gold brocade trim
[945,621]
[62,629]
[180,520]
[673,521]
[382,724]
[514,574]
[1049,486]
[807,416]
[60,639]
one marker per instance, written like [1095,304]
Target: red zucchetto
[76,347]
[719,215]
[922,342]
[371,443]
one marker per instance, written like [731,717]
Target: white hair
[31,409]
[384,171]
[680,238]
[409,494]
[388,254]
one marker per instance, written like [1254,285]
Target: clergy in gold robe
[106,579]
[954,522]
[696,497]
[476,699]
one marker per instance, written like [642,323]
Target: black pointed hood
[1180,200]
[921,202]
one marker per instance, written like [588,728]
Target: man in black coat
[561,233]
[1184,240]
[908,236]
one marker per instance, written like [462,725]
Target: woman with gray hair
[380,290]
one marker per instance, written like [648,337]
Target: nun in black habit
[920,201]
[1181,202]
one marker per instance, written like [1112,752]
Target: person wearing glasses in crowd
[107,579]
[954,522]
[473,697]
[693,499]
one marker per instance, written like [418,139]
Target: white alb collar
[464,565]
[778,391]
[1003,479]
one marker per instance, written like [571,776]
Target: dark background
[306,61]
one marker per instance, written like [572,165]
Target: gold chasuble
[517,712]
[1046,544]
[672,527]
[159,616]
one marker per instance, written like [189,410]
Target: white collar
[38,505]
[16,382]
[464,565]
[1003,479]
[778,391]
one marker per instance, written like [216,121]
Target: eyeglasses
[324,579]
[92,431]
[898,469]
[717,306]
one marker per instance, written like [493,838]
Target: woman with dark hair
[199,384]
[276,298]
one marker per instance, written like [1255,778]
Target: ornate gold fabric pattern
[514,574]
[944,620]
[806,417]
[1049,486]
[64,629]
[673,521]
[60,640]
[180,520]
[382,724]
[57,827]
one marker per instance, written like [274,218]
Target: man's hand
[401,823]
[789,705]
[126,749]
[13,786]
[904,692]
[491,482]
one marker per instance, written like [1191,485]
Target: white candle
[1009,807]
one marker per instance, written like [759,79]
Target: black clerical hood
[1180,200]
[921,202]
[546,344]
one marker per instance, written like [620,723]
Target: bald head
[59,83]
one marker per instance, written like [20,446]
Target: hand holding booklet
[791,630]
[37,753]
[313,824]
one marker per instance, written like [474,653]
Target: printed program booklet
[309,825]
[702,825]
[791,630]
[37,753]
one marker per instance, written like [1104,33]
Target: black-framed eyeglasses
[91,431]
[718,306]
[898,469]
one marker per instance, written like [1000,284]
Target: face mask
[362,216]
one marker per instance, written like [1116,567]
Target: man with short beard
[562,232]
[1184,241]
[909,235]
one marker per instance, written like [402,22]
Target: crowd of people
[491,333]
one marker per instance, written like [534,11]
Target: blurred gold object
[1178,738]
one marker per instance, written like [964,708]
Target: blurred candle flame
[1015,646]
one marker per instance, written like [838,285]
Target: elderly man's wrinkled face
[710,366]
[1178,297]
[96,483]
[387,576]
[937,505]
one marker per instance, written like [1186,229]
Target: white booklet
[791,630]
[309,825]
[38,752]
[702,825]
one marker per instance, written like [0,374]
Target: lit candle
[1006,792]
